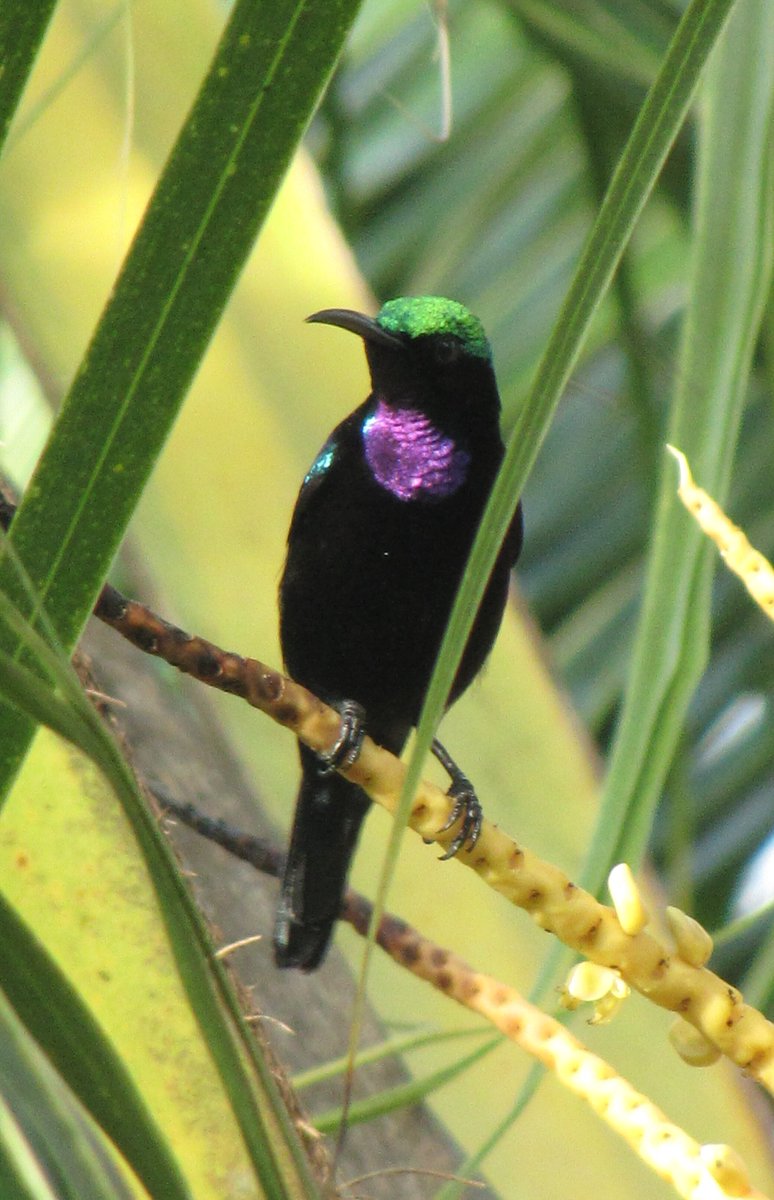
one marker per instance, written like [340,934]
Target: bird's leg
[347,746]
[466,804]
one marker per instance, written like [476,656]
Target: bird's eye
[446,351]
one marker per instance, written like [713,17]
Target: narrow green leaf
[22,29]
[21,1177]
[404,1094]
[51,694]
[387,1049]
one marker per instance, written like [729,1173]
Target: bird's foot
[466,805]
[346,748]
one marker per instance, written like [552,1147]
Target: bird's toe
[346,748]
[467,809]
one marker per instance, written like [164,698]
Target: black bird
[377,545]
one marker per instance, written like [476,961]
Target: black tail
[329,813]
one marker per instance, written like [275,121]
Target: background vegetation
[543,100]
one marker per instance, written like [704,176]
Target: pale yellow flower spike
[709,1172]
[696,1172]
[755,571]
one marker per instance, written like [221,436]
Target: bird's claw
[468,807]
[346,748]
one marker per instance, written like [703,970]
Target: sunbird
[377,546]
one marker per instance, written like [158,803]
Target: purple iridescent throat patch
[410,457]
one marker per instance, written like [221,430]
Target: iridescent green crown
[418,316]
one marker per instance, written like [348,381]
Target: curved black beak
[365,327]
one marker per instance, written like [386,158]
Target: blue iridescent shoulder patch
[322,463]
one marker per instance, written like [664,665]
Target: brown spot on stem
[111,605]
[409,952]
[286,713]
[394,928]
[207,665]
[146,640]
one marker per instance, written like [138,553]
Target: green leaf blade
[22,29]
